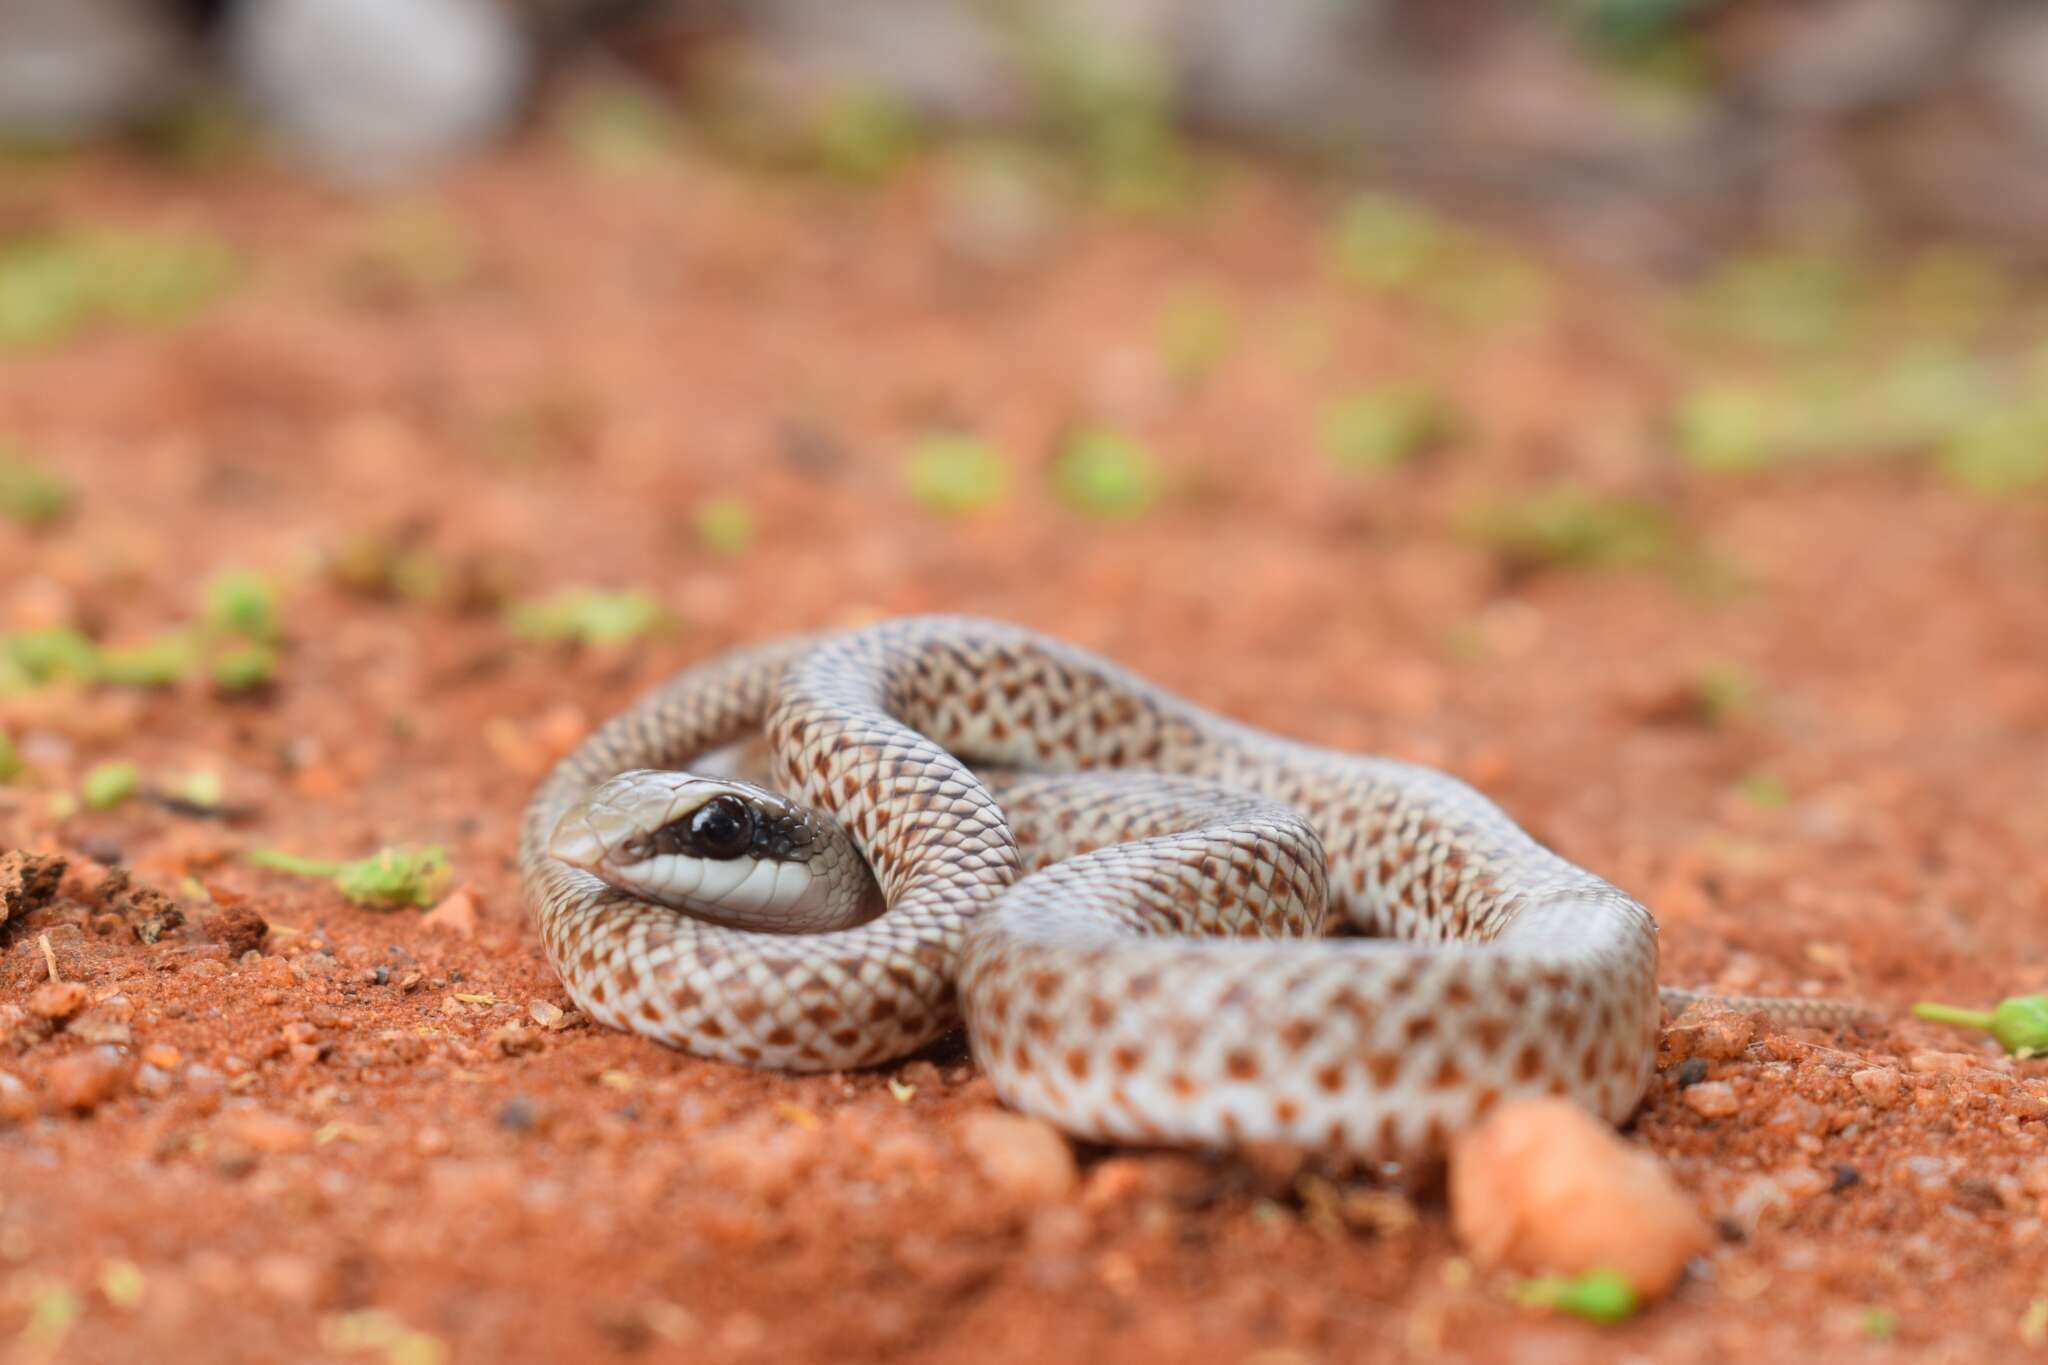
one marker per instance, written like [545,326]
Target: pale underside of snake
[1157,977]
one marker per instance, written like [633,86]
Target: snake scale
[1158,976]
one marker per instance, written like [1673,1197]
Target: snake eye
[722,827]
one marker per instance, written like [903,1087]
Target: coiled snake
[1157,980]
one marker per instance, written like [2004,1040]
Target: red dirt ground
[358,1115]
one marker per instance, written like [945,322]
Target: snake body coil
[1155,981]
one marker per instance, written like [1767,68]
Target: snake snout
[589,833]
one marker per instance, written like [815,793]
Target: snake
[1160,926]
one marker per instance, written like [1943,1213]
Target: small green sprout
[1765,790]
[201,790]
[243,602]
[1388,243]
[122,1284]
[11,766]
[109,784]
[390,877]
[1490,294]
[1724,691]
[1383,428]
[951,473]
[2034,1323]
[53,286]
[863,132]
[51,1312]
[588,616]
[158,663]
[1878,1324]
[1597,1295]
[29,495]
[1106,474]
[1789,301]
[726,525]
[245,668]
[156,281]
[1565,528]
[46,292]
[617,127]
[2002,451]
[1724,429]
[2019,1023]
[31,658]
[1112,103]
[1195,333]
[373,1329]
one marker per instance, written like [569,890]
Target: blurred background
[1638,408]
[1657,379]
[1414,328]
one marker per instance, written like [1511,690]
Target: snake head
[716,848]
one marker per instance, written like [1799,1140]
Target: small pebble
[1878,1085]
[84,1081]
[58,1000]
[100,1025]
[456,914]
[1942,1063]
[17,1101]
[263,1131]
[1691,1072]
[518,1115]
[1025,1158]
[237,928]
[514,1039]
[1712,1099]
[1715,1033]
[1543,1186]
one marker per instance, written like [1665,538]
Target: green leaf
[11,766]
[1383,428]
[1766,790]
[1387,243]
[31,496]
[2000,452]
[46,293]
[1791,301]
[588,616]
[2019,1022]
[726,525]
[952,474]
[159,663]
[245,603]
[109,784]
[1107,474]
[31,658]
[1725,429]
[864,132]
[1598,1295]
[51,1312]
[1565,528]
[245,668]
[388,877]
